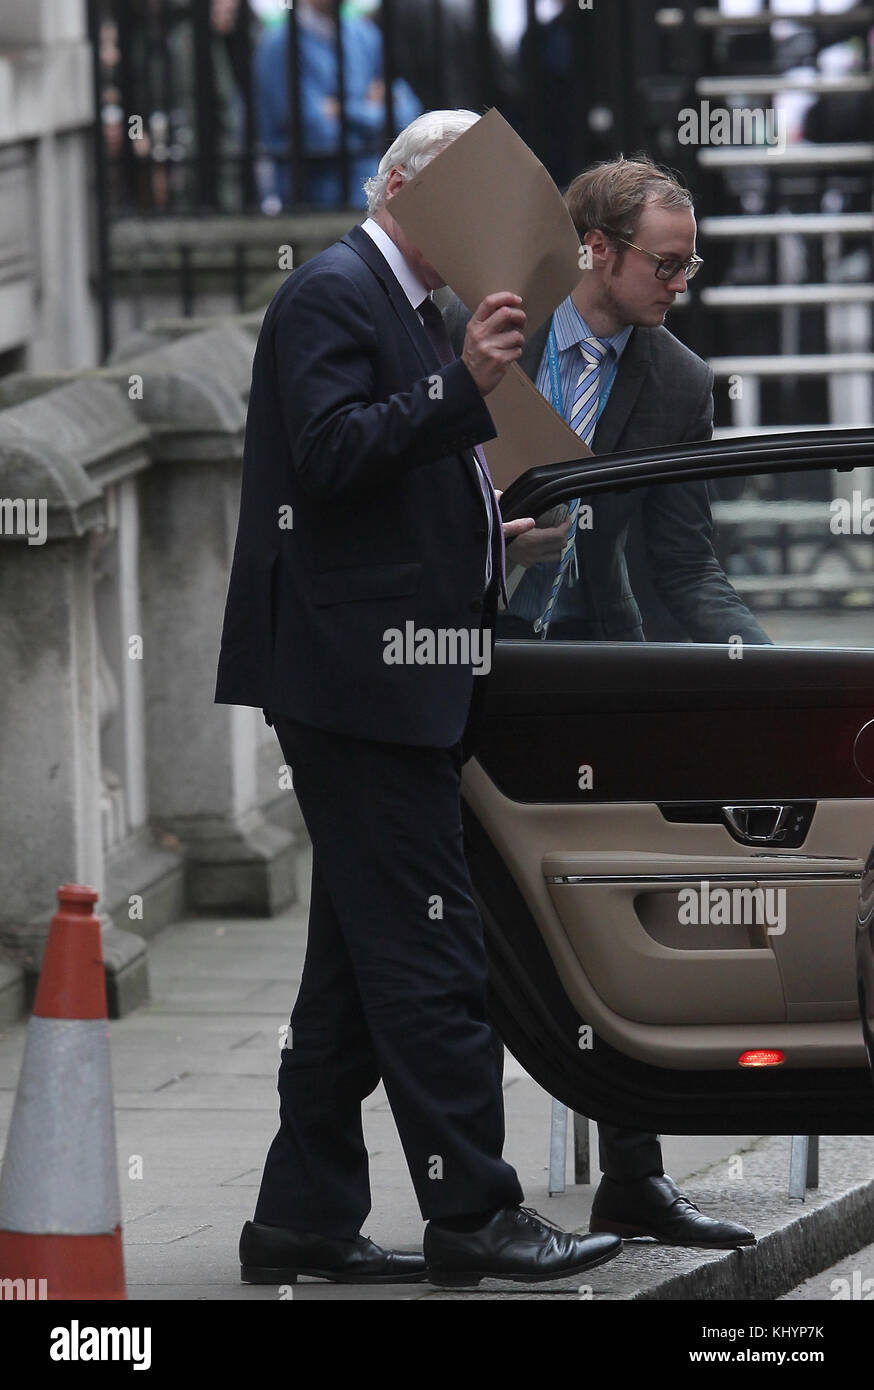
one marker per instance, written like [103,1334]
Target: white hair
[415,147]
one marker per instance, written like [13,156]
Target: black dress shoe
[515,1243]
[656,1207]
[273,1255]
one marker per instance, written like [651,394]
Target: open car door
[667,837]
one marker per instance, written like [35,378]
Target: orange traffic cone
[60,1214]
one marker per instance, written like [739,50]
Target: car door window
[783,558]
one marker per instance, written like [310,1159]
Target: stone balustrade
[119,491]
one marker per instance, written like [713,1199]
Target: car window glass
[785,558]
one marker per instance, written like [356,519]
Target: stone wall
[47,312]
[119,492]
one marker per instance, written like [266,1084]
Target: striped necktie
[583,419]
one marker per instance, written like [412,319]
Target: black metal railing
[210,114]
[207,110]
[197,96]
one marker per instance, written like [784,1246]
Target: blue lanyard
[555,378]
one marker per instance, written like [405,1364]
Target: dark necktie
[436,330]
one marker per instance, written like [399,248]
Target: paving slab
[196,1108]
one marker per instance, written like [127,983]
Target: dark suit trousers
[393,987]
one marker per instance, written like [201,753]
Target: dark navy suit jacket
[355,426]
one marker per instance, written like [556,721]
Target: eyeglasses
[668,266]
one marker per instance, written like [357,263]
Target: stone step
[706,18]
[753,431]
[781,296]
[804,155]
[789,224]
[769,84]
[795,364]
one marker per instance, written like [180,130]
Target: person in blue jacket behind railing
[320,106]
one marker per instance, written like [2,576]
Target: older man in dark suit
[367,513]
[610,367]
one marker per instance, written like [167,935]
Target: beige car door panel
[605,878]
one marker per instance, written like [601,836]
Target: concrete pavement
[196,1108]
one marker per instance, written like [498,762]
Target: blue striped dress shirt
[533,590]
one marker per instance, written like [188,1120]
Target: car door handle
[750,819]
[759,825]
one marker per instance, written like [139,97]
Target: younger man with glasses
[622,381]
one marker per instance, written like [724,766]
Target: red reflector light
[761,1057]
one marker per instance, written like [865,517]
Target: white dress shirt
[416,291]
